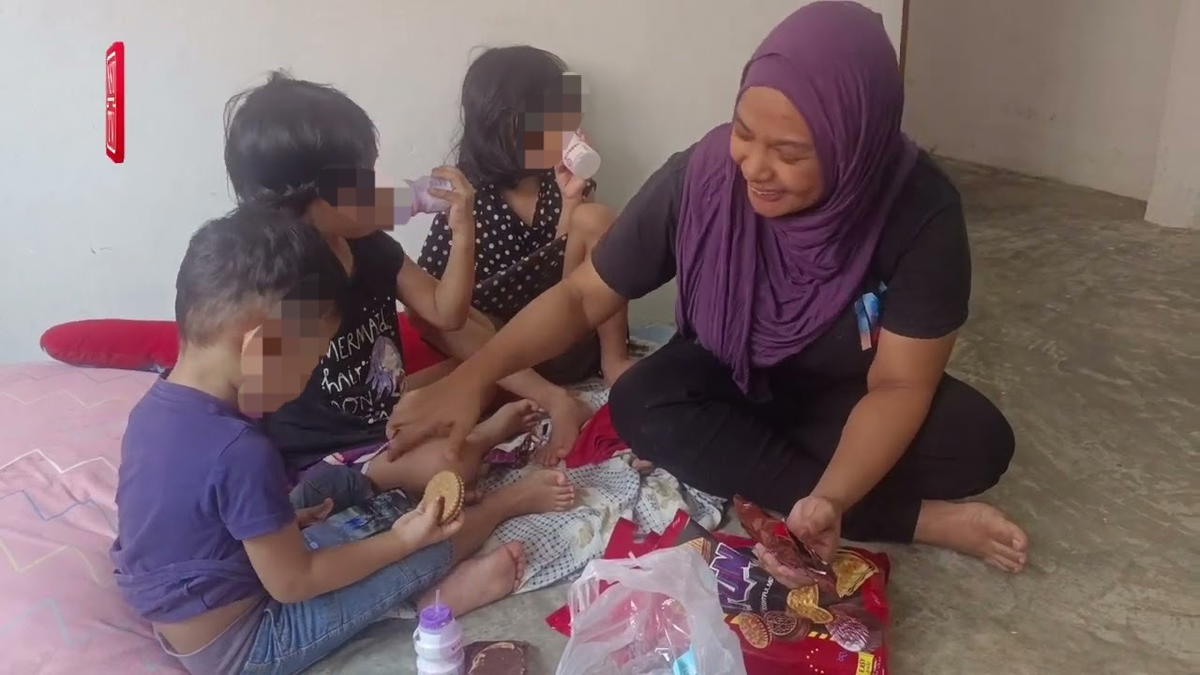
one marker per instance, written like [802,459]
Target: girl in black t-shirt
[823,274]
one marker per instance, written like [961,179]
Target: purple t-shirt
[196,479]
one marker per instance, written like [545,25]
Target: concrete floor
[1086,329]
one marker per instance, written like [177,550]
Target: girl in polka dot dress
[533,226]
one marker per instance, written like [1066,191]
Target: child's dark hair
[500,86]
[247,259]
[281,135]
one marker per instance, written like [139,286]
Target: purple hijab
[755,290]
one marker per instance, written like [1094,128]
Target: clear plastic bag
[653,615]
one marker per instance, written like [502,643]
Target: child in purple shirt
[209,549]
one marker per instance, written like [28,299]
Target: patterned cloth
[559,545]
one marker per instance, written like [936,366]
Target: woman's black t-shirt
[918,284]
[350,394]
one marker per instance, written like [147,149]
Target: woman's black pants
[680,409]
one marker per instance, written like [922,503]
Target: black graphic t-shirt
[350,395]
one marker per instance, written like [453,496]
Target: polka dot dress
[514,262]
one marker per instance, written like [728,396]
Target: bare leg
[976,529]
[582,237]
[427,376]
[567,412]
[541,491]
[480,581]
[412,470]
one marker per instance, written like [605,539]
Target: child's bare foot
[642,466]
[508,421]
[541,491]
[976,529]
[481,580]
[567,416]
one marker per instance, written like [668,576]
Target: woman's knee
[630,398]
[997,443]
[989,439]
[651,400]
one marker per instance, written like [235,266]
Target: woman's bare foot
[567,416]
[976,529]
[542,491]
[613,368]
[508,421]
[642,466]
[481,580]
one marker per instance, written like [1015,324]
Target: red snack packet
[773,534]
[782,631]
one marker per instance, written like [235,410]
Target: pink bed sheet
[60,437]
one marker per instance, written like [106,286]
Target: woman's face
[773,146]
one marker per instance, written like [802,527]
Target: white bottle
[438,642]
[579,157]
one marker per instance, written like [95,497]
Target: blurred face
[773,146]
[544,128]
[279,356]
[358,207]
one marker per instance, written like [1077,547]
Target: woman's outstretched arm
[548,326]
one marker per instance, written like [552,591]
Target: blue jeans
[292,637]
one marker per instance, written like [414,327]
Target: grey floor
[1086,330]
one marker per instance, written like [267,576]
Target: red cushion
[154,345]
[114,343]
[418,354]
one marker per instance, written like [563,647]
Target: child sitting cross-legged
[208,548]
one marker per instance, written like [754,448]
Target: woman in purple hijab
[823,272]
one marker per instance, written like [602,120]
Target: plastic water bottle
[415,198]
[579,157]
[438,641]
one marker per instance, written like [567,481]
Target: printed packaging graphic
[836,625]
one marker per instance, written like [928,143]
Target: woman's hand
[817,521]
[449,407]
[791,577]
[461,219]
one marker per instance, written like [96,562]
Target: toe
[1001,551]
[516,551]
[999,562]
[1020,541]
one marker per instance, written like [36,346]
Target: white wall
[1175,198]
[84,238]
[1068,89]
